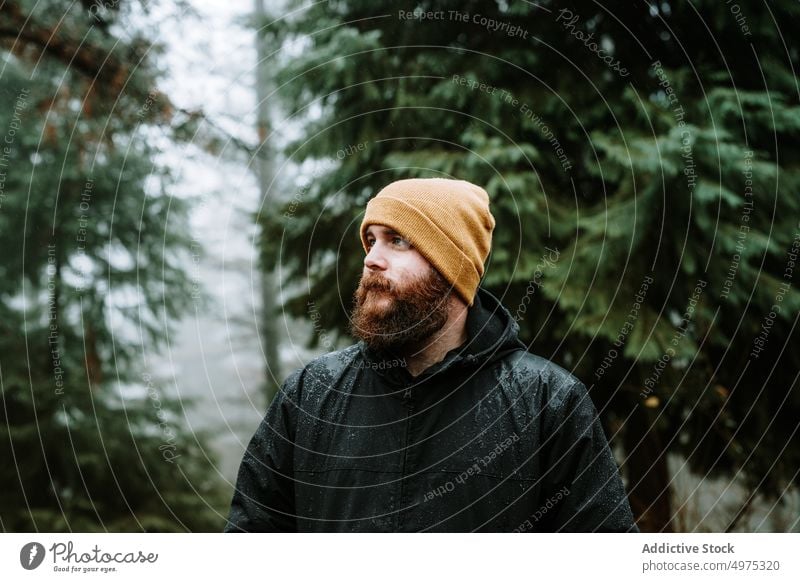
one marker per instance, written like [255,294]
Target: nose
[375,259]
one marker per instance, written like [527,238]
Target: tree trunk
[268,328]
[647,473]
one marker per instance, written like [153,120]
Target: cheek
[416,265]
[406,266]
[404,271]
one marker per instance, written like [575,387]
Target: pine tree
[643,169]
[94,254]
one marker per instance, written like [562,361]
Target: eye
[370,242]
[400,241]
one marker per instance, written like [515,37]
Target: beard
[388,316]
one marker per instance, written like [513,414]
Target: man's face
[401,299]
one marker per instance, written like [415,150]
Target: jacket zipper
[409,408]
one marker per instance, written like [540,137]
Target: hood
[491,334]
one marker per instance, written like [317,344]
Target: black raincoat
[492,438]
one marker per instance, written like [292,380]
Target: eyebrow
[385,230]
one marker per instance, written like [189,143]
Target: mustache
[375,283]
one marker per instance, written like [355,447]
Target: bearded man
[438,419]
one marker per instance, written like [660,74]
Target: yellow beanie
[447,221]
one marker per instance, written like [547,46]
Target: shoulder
[322,371]
[554,383]
[333,362]
[560,398]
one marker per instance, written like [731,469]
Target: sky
[214,355]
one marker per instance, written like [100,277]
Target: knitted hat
[447,221]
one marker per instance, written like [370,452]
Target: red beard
[387,316]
